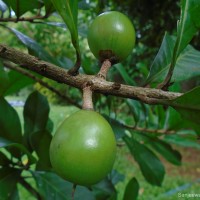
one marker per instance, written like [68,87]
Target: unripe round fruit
[111,36]
[83,148]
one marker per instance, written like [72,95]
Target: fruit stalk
[73,191]
[104,69]
[87,98]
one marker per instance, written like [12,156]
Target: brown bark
[146,95]
[24,19]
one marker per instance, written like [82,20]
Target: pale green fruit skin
[111,31]
[83,148]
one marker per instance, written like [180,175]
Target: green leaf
[120,68]
[52,187]
[187,28]
[188,105]
[160,112]
[68,10]
[162,60]
[182,141]
[89,67]
[4,143]
[132,190]
[50,125]
[4,80]
[8,184]
[10,127]
[151,167]
[40,142]
[17,81]
[174,121]
[137,109]
[12,81]
[4,161]
[165,149]
[48,6]
[35,48]
[5,171]
[117,128]
[22,6]
[36,111]
[188,24]
[116,177]
[187,63]
[104,189]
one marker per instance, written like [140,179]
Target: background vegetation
[157,145]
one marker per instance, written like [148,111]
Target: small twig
[146,130]
[104,69]
[74,70]
[167,82]
[158,131]
[32,190]
[27,19]
[73,191]
[41,82]
[17,10]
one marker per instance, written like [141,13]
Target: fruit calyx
[108,55]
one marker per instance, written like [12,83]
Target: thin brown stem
[73,191]
[158,131]
[41,82]
[27,19]
[74,70]
[104,69]
[167,82]
[87,98]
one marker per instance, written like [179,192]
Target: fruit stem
[87,98]
[73,191]
[104,69]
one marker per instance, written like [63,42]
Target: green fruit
[111,36]
[83,149]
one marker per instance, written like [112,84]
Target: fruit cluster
[83,148]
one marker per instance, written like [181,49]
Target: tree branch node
[51,71]
[116,86]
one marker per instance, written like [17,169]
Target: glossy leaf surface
[36,111]
[132,190]
[151,167]
[54,188]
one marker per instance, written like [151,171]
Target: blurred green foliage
[142,127]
